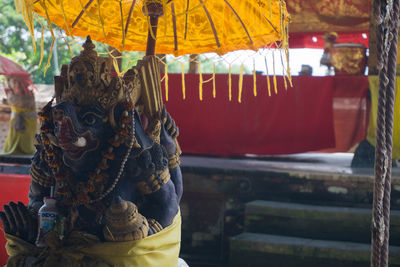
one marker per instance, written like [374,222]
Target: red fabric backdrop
[350,111]
[295,120]
[314,39]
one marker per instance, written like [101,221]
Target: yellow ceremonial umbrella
[185,27]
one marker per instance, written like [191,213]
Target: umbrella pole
[151,42]
[154,11]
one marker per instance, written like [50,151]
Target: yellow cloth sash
[371,133]
[20,139]
[80,249]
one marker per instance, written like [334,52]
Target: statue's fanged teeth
[80,142]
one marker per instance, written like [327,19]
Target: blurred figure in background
[23,122]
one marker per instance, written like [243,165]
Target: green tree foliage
[207,66]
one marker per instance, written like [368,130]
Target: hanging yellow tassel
[100,18]
[48,60]
[69,47]
[214,89]
[273,68]
[240,83]
[166,80]
[26,8]
[268,83]
[200,83]
[48,21]
[115,64]
[288,68]
[254,78]
[41,47]
[68,31]
[183,81]
[283,66]
[230,82]
[146,12]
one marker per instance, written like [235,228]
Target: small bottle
[47,216]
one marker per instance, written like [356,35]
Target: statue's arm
[156,175]
[168,138]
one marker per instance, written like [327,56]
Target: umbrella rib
[211,23]
[240,20]
[186,19]
[129,16]
[271,24]
[174,25]
[80,14]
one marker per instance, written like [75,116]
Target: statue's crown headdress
[87,80]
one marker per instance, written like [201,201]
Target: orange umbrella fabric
[187,27]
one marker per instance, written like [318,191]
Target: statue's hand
[169,132]
[17,220]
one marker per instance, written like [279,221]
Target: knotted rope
[386,14]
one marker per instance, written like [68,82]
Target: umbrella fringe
[200,83]
[267,75]
[26,8]
[166,81]
[183,82]
[65,18]
[214,88]
[230,82]
[273,10]
[254,78]
[240,83]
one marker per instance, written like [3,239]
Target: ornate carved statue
[117,181]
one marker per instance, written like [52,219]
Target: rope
[390,96]
[386,16]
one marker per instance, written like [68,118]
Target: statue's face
[81,133]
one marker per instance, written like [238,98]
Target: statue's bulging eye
[90,119]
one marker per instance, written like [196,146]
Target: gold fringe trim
[254,78]
[41,47]
[213,77]
[166,81]
[65,17]
[200,83]
[267,76]
[26,8]
[230,82]
[183,81]
[273,68]
[240,83]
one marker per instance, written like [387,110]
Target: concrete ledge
[299,252]
[311,221]
[301,179]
